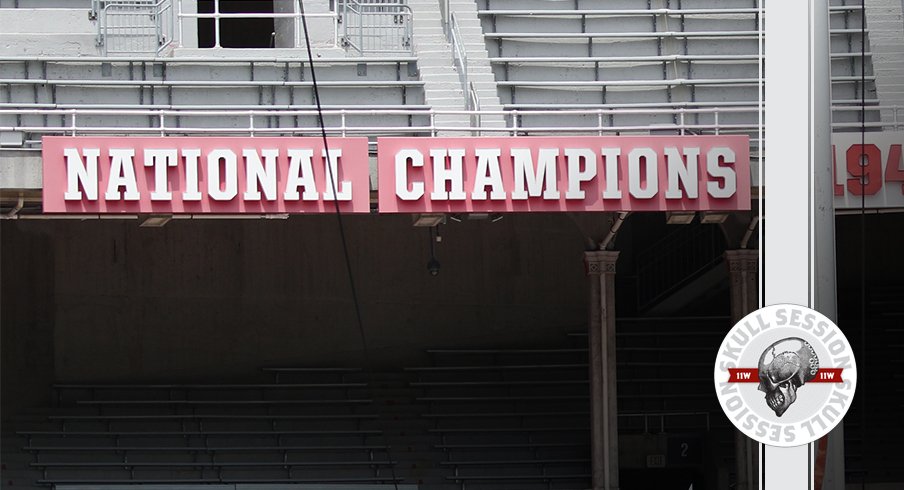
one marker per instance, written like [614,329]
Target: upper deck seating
[207,95]
[694,68]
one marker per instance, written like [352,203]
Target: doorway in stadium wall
[237,32]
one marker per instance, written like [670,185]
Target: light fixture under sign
[679,217]
[711,217]
[156,221]
[429,219]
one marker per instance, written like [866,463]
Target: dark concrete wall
[26,317]
[219,299]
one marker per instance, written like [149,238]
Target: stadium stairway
[444,88]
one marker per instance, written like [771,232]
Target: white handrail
[460,59]
[172,122]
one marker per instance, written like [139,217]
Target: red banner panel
[581,173]
[752,375]
[173,175]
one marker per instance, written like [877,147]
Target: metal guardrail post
[216,23]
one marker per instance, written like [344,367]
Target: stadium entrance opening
[237,32]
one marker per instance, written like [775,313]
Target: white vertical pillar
[798,225]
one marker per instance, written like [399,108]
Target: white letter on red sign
[343,188]
[213,175]
[161,160]
[575,174]
[122,174]
[488,174]
[681,171]
[634,170]
[192,186]
[260,175]
[453,174]
[301,173]
[610,156]
[81,172]
[401,175]
[727,173]
[544,177]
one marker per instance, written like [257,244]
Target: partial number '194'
[866,172]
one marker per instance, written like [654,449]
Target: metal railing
[133,27]
[36,122]
[376,26]
[141,27]
[460,61]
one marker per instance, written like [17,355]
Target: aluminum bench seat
[169,417]
[503,414]
[506,351]
[204,464]
[197,433]
[442,384]
[469,430]
[210,84]
[224,403]
[510,445]
[642,12]
[522,367]
[202,449]
[543,478]
[192,481]
[211,60]
[622,35]
[249,386]
[515,462]
[329,109]
[282,371]
[483,399]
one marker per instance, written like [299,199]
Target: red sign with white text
[869,173]
[581,173]
[175,175]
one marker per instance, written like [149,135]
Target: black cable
[861,367]
[368,366]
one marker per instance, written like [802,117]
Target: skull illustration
[784,367]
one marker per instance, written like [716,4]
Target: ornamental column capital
[600,262]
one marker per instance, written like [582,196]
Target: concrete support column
[603,399]
[743,276]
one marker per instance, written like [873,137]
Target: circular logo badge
[785,375]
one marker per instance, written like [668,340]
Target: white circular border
[849,374]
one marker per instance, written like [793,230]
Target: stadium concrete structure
[515,350]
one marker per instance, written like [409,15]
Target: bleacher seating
[208,95]
[206,433]
[509,418]
[475,418]
[878,397]
[519,417]
[695,66]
